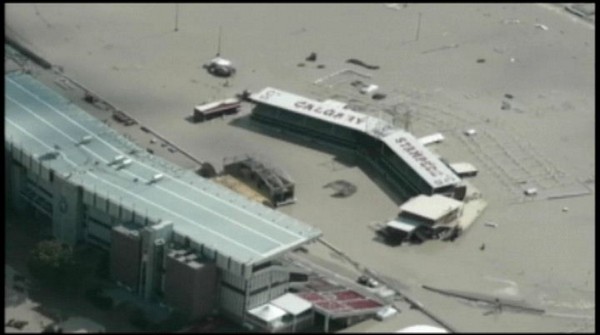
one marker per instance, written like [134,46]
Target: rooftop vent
[86,139]
[117,159]
[125,163]
[156,178]
[49,155]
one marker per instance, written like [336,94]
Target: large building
[405,163]
[172,235]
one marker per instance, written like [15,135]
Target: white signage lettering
[268,94]
[418,156]
[350,118]
[329,112]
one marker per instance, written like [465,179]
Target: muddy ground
[453,74]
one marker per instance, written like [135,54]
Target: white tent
[422,329]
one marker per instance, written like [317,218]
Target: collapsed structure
[423,217]
[273,184]
[172,236]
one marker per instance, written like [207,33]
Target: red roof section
[336,300]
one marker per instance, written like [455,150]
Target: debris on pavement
[361,63]
[470,132]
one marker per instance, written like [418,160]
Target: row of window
[98,222]
[31,184]
[98,241]
[255,291]
[393,166]
[403,175]
[37,201]
[329,136]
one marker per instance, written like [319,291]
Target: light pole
[407,119]
[418,27]
[219,43]
[176,17]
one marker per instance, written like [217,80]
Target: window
[259,267]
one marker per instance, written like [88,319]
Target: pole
[219,43]
[176,17]
[418,27]
[407,120]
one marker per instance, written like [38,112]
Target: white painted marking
[151,168]
[126,191]
[133,175]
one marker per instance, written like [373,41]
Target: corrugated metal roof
[39,120]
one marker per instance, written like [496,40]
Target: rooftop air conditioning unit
[470,132]
[368,89]
[125,163]
[117,159]
[86,139]
[156,177]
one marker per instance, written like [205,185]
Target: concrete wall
[239,294]
[139,261]
[231,303]
[266,285]
[17,172]
[67,211]
[125,257]
[154,240]
[227,264]
[190,286]
[7,176]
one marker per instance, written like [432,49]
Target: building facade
[404,162]
[91,185]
